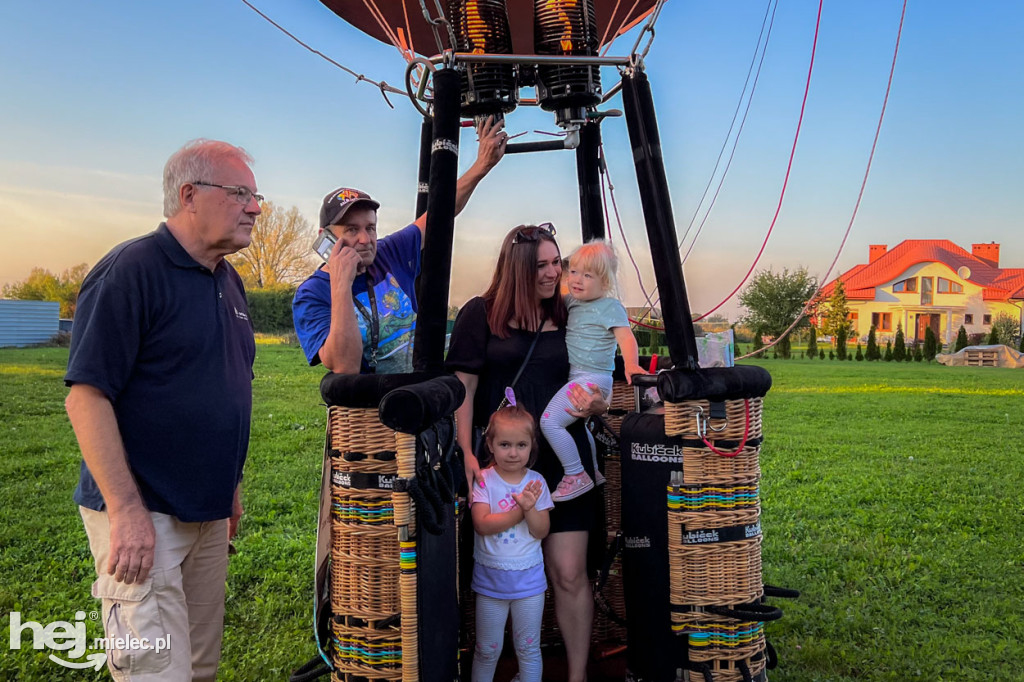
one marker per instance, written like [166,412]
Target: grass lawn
[893,497]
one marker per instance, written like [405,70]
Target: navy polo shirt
[171,346]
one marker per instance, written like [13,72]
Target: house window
[904,286]
[947,286]
[986,319]
[882,321]
[968,319]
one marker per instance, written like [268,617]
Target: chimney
[876,251]
[986,252]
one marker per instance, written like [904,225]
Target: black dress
[474,350]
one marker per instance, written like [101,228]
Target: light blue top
[589,336]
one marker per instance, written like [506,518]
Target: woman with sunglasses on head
[513,336]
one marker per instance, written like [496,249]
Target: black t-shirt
[474,350]
[171,346]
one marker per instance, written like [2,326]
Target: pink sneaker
[572,486]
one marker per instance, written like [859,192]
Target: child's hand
[528,498]
[631,369]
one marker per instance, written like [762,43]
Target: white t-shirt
[513,549]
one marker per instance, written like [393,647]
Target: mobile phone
[323,244]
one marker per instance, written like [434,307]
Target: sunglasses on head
[533,233]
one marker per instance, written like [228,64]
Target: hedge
[271,309]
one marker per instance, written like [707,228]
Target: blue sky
[96,96]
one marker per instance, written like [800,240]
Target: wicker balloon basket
[714,536]
[373,555]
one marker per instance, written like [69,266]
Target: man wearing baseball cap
[357,312]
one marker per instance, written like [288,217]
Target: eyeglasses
[533,233]
[242,195]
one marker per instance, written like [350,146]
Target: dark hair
[513,290]
[518,416]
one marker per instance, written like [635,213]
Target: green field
[893,497]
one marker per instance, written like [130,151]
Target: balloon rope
[359,77]
[860,195]
[789,168]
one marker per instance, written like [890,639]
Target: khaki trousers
[180,604]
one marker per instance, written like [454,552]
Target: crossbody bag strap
[529,354]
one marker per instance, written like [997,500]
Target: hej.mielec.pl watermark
[70,637]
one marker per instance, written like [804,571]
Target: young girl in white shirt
[510,506]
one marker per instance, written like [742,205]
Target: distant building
[644,314]
[24,323]
[922,283]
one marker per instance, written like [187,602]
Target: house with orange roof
[922,283]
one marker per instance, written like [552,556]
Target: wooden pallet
[982,358]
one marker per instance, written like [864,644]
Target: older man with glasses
[160,372]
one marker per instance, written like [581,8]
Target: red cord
[789,168]
[743,443]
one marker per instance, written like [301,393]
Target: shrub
[961,340]
[860,353]
[841,342]
[831,355]
[1021,349]
[918,353]
[899,349]
[758,343]
[812,342]
[888,351]
[929,344]
[993,337]
[821,353]
[271,309]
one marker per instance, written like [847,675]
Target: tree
[873,352]
[43,285]
[860,353]
[961,340]
[812,341]
[918,355]
[280,251]
[776,301]
[841,342]
[837,312]
[1005,329]
[929,344]
[758,343]
[993,337]
[888,351]
[899,349]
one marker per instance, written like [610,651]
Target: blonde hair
[598,257]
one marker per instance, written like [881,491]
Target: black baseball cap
[337,203]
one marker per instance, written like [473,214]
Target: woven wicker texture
[702,465]
[605,629]
[681,419]
[727,671]
[365,652]
[372,580]
[622,399]
[364,570]
[714,574]
[354,429]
